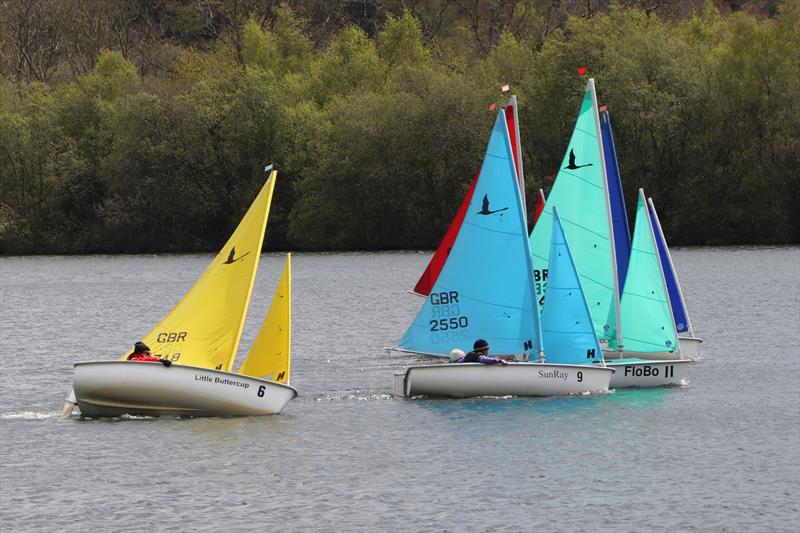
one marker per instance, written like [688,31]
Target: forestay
[205,327]
[485,288]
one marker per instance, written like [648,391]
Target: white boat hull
[648,373]
[690,346]
[114,388]
[612,355]
[515,379]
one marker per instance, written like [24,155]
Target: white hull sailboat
[200,337]
[466,380]
[583,195]
[485,290]
[114,388]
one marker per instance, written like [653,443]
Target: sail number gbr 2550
[446,312]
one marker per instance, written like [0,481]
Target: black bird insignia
[572,165]
[485,210]
[232,257]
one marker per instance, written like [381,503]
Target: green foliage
[377,129]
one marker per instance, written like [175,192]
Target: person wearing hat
[141,352]
[480,354]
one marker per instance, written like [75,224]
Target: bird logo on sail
[232,257]
[572,165]
[485,209]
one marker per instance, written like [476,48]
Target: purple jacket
[481,359]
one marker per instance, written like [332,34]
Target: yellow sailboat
[200,336]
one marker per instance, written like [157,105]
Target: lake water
[720,454]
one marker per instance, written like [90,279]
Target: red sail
[428,278]
[512,132]
[537,209]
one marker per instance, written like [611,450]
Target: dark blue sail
[619,216]
[675,297]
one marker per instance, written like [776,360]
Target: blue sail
[619,215]
[567,329]
[673,289]
[485,288]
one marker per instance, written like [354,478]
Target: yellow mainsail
[269,356]
[205,327]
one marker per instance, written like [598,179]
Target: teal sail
[567,329]
[484,289]
[645,307]
[579,192]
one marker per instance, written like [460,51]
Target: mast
[671,266]
[612,245]
[663,279]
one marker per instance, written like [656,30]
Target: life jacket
[142,357]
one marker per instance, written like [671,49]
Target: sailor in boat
[141,352]
[480,354]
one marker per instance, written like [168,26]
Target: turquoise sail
[484,289]
[579,192]
[567,329]
[645,307]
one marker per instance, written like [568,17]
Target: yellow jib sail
[205,327]
[269,356]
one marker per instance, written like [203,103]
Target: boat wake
[28,415]
[355,395]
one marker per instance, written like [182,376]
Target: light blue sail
[484,289]
[567,330]
[645,307]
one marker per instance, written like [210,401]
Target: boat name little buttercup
[223,381]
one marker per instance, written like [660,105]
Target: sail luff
[271,182]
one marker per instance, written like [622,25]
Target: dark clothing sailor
[480,354]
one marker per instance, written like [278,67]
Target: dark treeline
[145,125]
